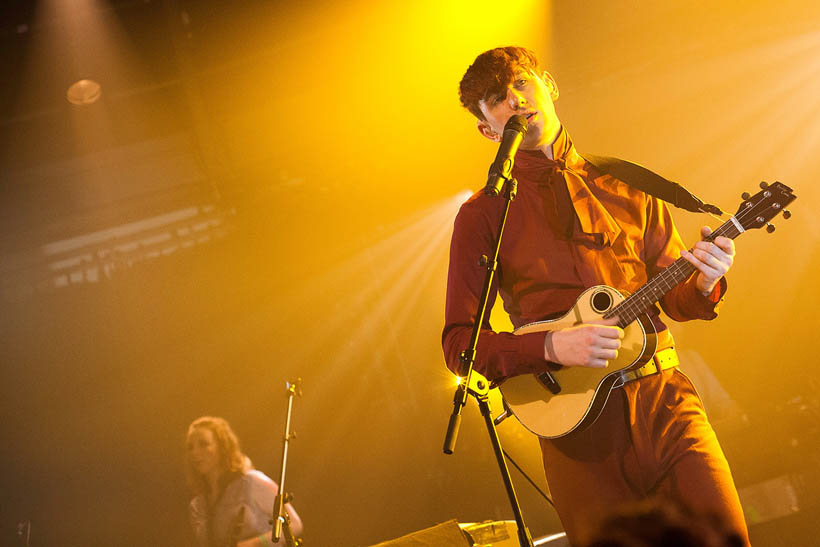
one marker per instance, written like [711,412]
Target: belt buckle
[657,364]
[625,376]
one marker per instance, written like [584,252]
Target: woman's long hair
[231,459]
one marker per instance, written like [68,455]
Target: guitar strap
[651,183]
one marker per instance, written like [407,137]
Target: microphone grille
[517,123]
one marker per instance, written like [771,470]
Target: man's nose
[515,99]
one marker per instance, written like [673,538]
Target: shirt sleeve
[663,245]
[499,354]
[261,496]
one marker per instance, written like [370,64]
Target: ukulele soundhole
[601,301]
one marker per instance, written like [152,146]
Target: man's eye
[521,82]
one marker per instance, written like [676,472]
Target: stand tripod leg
[524,537]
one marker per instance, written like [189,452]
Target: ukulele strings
[677,269]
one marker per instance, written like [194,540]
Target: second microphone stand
[281,519]
[477,386]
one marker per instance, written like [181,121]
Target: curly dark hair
[231,458]
[491,73]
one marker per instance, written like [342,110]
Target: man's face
[529,95]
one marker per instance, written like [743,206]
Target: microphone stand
[477,386]
[281,519]
[500,418]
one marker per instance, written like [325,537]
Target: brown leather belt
[662,360]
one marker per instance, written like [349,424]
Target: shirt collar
[534,166]
[531,163]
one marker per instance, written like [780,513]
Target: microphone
[514,132]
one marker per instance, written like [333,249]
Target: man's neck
[547,148]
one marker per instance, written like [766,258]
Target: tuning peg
[769,227]
[787,213]
[745,195]
[764,184]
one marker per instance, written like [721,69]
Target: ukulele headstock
[756,211]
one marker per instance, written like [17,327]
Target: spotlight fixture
[83,92]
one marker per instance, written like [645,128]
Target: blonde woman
[232,502]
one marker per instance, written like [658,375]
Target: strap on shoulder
[652,183]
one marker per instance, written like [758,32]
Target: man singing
[572,227]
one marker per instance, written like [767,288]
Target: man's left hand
[712,259]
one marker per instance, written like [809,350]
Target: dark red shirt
[568,229]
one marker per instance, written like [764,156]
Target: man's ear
[487,131]
[551,85]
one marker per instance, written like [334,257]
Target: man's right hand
[585,345]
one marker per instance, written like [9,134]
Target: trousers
[652,440]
